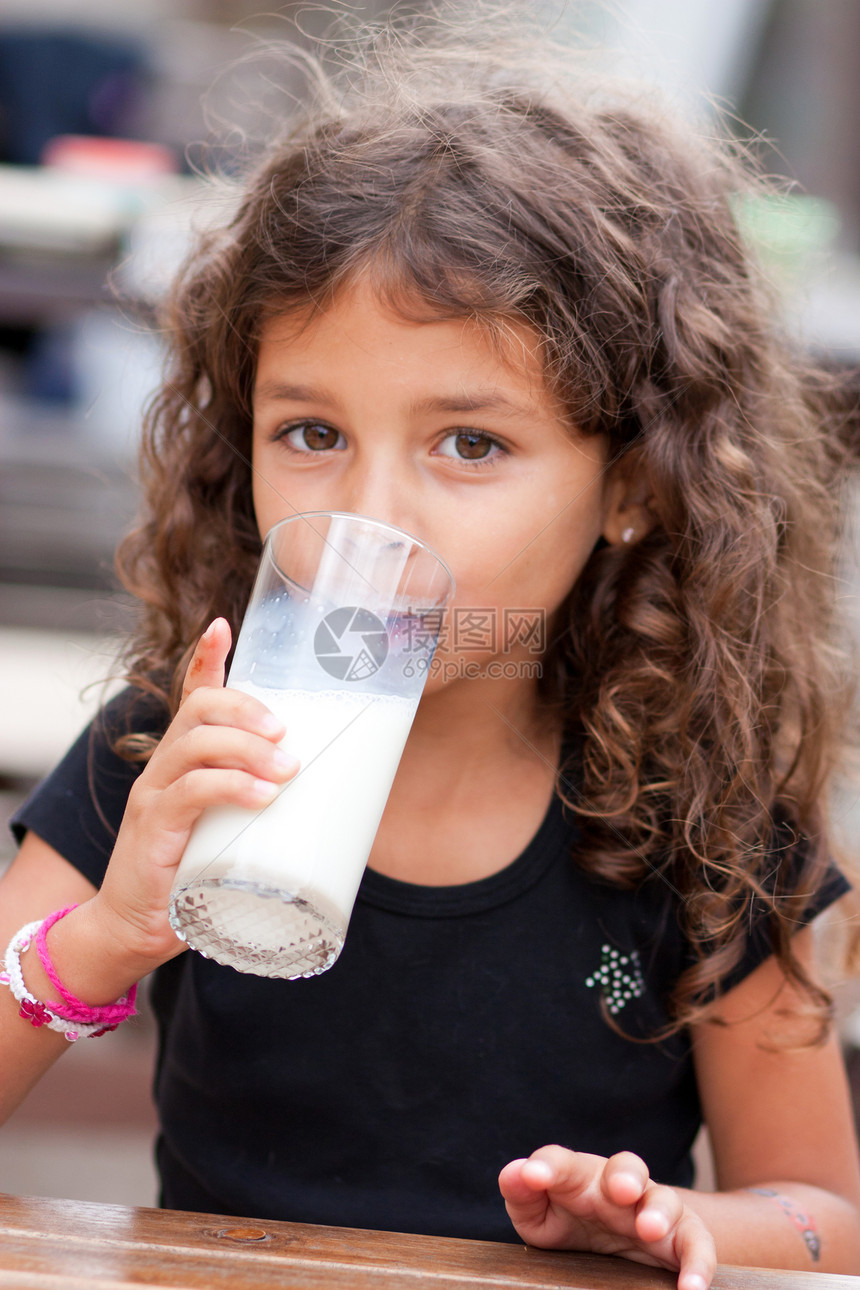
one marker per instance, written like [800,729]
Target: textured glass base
[256,929]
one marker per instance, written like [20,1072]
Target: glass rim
[366,519]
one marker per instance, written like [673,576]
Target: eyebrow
[478,401]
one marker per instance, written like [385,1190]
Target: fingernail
[285,761]
[270,725]
[264,790]
[540,1169]
[692,1281]
[209,630]
[659,1222]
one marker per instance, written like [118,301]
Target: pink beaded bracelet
[72,1009]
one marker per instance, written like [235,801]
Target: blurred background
[102,129]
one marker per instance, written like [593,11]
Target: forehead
[359,328]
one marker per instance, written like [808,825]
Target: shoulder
[132,711]
[785,888]
[78,808]
[798,880]
[787,885]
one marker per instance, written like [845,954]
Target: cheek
[275,496]
[542,579]
[265,505]
[526,555]
[537,579]
[262,494]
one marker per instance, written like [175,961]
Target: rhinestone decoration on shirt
[619,977]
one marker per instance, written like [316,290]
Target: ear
[628,515]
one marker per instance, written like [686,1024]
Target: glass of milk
[337,641]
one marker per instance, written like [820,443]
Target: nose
[379,491]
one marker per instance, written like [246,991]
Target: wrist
[92,964]
[755,1226]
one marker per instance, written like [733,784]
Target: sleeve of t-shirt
[79,807]
[798,900]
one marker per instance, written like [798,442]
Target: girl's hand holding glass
[562,1199]
[220,748]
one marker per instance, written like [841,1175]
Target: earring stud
[627,535]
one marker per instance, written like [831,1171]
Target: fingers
[582,1201]
[626,1182]
[663,1223]
[207,662]
[209,706]
[212,765]
[163,814]
[221,729]
[557,1169]
[542,1194]
[522,1187]
[696,1252]
[233,748]
[225,746]
[625,1177]
[189,796]
[657,1213]
[205,700]
[220,749]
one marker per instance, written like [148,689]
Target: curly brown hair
[702,665]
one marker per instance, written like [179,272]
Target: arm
[780,1122]
[38,882]
[220,748]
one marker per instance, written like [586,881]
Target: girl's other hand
[219,750]
[561,1199]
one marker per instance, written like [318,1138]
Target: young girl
[520,322]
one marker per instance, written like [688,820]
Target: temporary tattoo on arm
[797,1217]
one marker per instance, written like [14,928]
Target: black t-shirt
[460,1028]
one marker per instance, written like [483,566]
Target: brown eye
[312,436]
[317,437]
[473,446]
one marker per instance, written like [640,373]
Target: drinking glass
[337,641]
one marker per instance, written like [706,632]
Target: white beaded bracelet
[31,1009]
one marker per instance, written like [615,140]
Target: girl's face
[427,425]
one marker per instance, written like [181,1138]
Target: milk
[272,890]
